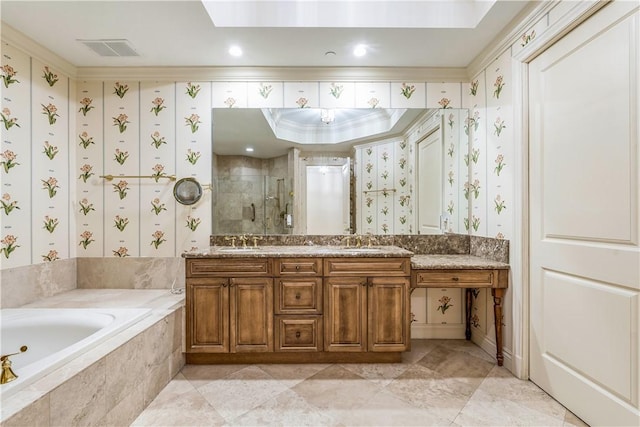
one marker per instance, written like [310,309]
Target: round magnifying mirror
[187,191]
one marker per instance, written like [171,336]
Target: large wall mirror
[315,171]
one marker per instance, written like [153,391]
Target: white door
[327,211]
[430,183]
[584,192]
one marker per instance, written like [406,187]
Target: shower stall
[252,204]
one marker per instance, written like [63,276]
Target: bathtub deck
[26,404]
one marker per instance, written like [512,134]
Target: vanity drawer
[298,295]
[298,333]
[229,267]
[367,266]
[298,266]
[454,278]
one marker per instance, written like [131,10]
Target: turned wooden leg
[498,294]
[468,300]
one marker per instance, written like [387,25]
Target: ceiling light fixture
[249,150]
[235,51]
[360,50]
[327,116]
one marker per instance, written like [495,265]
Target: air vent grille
[115,47]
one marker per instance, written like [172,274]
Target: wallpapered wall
[491,186]
[60,136]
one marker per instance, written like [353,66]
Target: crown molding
[241,74]
[522,22]
[18,40]
[576,15]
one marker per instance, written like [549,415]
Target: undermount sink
[361,250]
[247,249]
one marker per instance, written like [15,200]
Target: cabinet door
[345,314]
[388,304]
[208,323]
[251,306]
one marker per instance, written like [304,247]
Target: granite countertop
[452,262]
[299,252]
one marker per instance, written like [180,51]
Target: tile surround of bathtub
[22,285]
[113,382]
[130,273]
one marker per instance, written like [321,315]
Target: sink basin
[360,250]
[239,249]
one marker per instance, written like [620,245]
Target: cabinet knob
[297,267]
[297,334]
[298,296]
[455,279]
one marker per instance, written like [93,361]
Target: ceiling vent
[114,47]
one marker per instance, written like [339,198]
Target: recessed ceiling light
[360,50]
[235,51]
[249,150]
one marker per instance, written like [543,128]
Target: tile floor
[440,382]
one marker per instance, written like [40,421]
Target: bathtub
[56,336]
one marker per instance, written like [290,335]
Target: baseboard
[431,331]
[490,347]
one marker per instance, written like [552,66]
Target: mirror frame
[184,184]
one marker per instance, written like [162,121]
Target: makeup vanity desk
[467,272]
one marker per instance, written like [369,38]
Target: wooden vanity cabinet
[229,311]
[297,310]
[367,312]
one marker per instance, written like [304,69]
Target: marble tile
[378,373]
[201,375]
[81,400]
[128,409]
[457,365]
[241,391]
[286,409]
[424,388]
[130,272]
[292,374]
[501,385]
[36,415]
[431,387]
[23,285]
[336,389]
[570,419]
[385,409]
[190,410]
[485,410]
[125,370]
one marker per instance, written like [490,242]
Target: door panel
[251,314]
[345,314]
[208,326]
[388,305]
[430,163]
[584,255]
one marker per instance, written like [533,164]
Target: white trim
[36,51]
[519,243]
[256,74]
[490,347]
[527,18]
[579,13]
